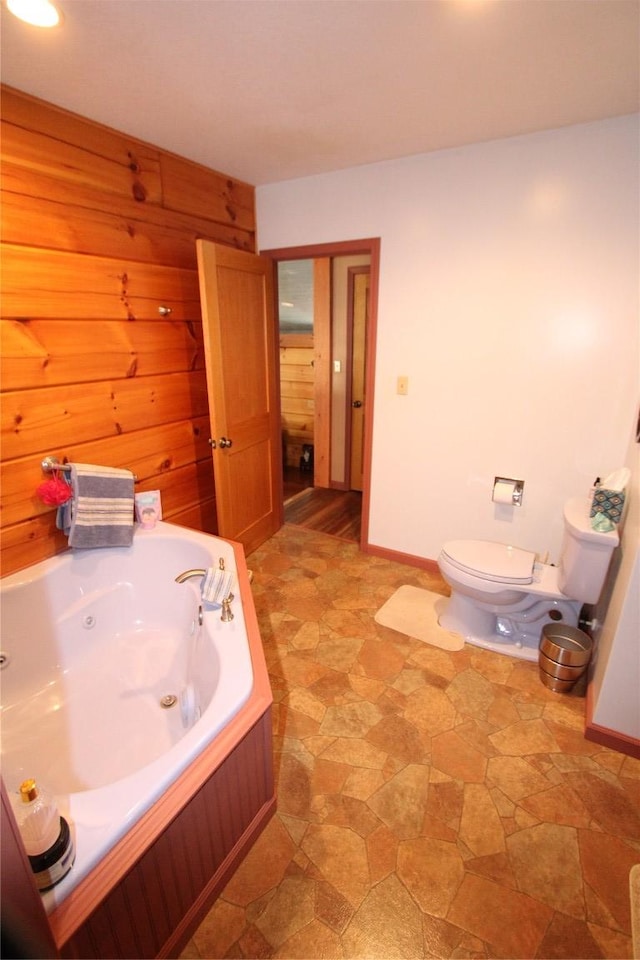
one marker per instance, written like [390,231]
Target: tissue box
[609,502]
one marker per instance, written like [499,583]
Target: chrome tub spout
[190,575]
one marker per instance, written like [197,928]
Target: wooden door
[236,291]
[322,371]
[358,374]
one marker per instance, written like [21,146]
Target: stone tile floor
[430,804]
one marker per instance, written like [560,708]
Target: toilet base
[508,647]
[513,633]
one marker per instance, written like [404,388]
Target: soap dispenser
[45,834]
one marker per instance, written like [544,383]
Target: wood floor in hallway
[336,512]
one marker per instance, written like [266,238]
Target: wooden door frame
[322,342]
[352,273]
[369,246]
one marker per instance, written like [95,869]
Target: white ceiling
[268,90]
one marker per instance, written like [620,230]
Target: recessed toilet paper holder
[513,488]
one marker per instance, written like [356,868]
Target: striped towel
[102,506]
[216,585]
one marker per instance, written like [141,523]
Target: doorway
[336,426]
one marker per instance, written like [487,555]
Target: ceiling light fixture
[39,13]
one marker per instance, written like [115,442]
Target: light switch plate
[403,386]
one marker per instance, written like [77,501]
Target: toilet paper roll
[503,492]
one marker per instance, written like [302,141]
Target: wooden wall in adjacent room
[98,232]
[297,392]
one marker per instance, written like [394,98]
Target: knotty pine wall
[297,389]
[98,232]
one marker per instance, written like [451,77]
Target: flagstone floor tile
[453,755]
[541,853]
[431,803]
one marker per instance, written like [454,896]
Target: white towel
[102,506]
[216,585]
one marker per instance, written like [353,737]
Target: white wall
[509,297]
[615,683]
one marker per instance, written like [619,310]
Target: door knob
[357,403]
[224,442]
[212,443]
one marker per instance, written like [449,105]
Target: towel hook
[49,464]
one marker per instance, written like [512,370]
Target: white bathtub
[92,641]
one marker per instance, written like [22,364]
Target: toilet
[501,596]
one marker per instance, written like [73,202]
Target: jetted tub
[116,678]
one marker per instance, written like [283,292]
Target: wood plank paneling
[299,358]
[150,454]
[29,113]
[202,516]
[187,187]
[103,223]
[297,393]
[41,353]
[300,426]
[78,286]
[297,373]
[122,174]
[98,232]
[300,406]
[24,544]
[195,481]
[33,420]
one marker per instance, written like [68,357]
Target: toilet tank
[585,555]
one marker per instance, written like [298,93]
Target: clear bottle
[45,834]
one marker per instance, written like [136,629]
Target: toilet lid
[491,561]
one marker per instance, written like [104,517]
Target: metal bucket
[565,644]
[564,656]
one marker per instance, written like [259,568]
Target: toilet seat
[492,561]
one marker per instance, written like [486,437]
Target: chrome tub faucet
[195,574]
[190,575]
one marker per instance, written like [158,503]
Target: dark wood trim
[370,246]
[397,557]
[612,739]
[606,737]
[339,248]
